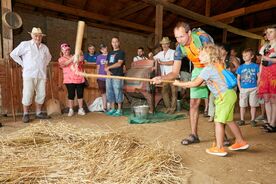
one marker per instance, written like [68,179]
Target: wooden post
[207,8]
[6,32]
[158,24]
[224,36]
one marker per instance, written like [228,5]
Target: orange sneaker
[216,151]
[239,146]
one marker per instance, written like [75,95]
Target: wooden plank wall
[59,90]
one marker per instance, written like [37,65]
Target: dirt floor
[254,166]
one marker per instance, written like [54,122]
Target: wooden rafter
[203,19]
[135,7]
[246,10]
[86,14]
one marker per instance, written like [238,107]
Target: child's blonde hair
[214,53]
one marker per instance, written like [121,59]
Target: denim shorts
[114,90]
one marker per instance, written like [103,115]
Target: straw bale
[62,153]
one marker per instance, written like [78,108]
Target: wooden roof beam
[203,19]
[135,7]
[247,10]
[86,14]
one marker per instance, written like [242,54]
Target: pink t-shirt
[69,76]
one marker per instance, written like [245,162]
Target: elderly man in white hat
[166,59]
[34,57]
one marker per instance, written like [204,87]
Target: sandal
[190,140]
[265,125]
[241,122]
[253,123]
[270,129]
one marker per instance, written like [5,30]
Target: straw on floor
[61,153]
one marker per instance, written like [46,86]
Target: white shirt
[169,56]
[138,58]
[33,59]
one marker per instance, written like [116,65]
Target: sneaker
[110,112]
[118,113]
[26,118]
[239,146]
[71,112]
[81,112]
[42,116]
[216,151]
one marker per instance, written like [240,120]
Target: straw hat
[165,40]
[37,30]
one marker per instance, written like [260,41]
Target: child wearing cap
[211,56]
[73,82]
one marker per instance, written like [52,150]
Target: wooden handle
[79,37]
[121,77]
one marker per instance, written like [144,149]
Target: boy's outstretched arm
[196,82]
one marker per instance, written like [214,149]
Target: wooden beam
[203,19]
[86,14]
[135,7]
[247,10]
[83,4]
[158,23]
[207,8]
[6,32]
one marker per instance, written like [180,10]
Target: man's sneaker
[71,112]
[26,118]
[42,116]
[216,151]
[118,113]
[81,112]
[110,112]
[239,146]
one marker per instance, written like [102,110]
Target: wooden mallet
[79,38]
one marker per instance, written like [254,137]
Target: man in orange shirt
[190,43]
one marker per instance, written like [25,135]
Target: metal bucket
[141,111]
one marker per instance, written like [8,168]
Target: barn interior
[142,23]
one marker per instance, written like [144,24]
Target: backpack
[196,33]
[229,78]
[192,51]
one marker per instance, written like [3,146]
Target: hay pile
[61,153]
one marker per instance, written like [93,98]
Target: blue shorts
[114,90]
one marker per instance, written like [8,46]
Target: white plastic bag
[97,105]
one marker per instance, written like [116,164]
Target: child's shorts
[249,95]
[225,106]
